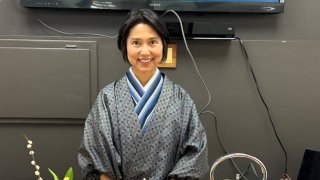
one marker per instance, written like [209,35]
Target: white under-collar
[151,80]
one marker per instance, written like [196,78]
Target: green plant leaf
[53,174]
[69,174]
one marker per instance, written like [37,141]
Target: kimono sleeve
[97,153]
[193,152]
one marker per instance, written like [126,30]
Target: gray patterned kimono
[113,143]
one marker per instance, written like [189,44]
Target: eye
[135,43]
[154,42]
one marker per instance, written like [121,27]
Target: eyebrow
[152,38]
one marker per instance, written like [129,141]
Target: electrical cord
[203,111]
[242,174]
[252,167]
[285,173]
[70,34]
[193,61]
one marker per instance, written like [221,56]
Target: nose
[145,49]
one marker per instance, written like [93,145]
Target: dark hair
[145,16]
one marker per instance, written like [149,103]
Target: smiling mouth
[145,60]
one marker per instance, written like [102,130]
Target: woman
[143,125]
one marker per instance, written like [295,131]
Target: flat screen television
[211,6]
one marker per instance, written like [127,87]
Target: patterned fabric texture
[113,142]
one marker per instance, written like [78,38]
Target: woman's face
[144,50]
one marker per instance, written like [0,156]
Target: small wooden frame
[171,60]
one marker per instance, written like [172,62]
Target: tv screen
[214,6]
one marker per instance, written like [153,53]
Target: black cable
[203,111]
[216,128]
[242,174]
[263,101]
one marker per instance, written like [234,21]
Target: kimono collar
[151,80]
[144,100]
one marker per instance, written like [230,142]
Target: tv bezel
[187,6]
